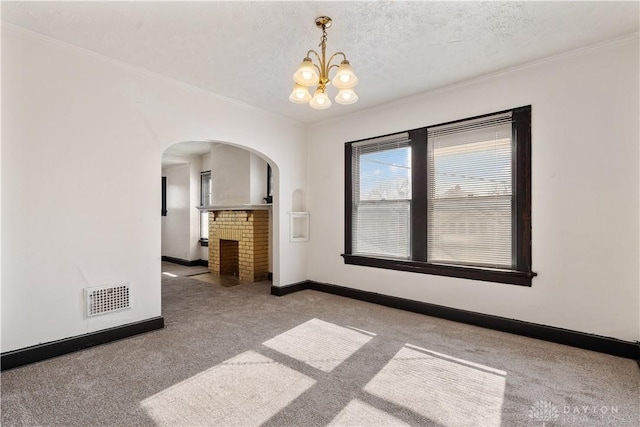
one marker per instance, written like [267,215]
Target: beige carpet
[239,356]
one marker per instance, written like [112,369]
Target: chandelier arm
[331,66]
[315,53]
[344,57]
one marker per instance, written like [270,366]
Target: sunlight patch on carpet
[320,344]
[359,413]
[363,331]
[447,390]
[245,390]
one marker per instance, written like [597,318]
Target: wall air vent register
[106,299]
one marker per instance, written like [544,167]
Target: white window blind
[205,200]
[205,188]
[381,170]
[469,192]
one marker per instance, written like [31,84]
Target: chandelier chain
[323,39]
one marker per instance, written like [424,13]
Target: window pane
[385,175]
[382,228]
[205,189]
[382,197]
[205,200]
[470,193]
[204,225]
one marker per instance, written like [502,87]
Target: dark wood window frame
[269,198]
[164,196]
[522,274]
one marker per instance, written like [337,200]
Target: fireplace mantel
[214,208]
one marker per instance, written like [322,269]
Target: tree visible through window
[451,199]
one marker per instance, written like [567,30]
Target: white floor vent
[107,299]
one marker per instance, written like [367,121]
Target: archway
[214,174]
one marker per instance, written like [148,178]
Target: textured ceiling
[248,50]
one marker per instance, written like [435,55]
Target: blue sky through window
[386,175]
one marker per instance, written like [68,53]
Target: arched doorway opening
[203,179]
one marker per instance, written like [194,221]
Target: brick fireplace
[239,243]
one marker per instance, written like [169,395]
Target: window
[451,199]
[269,198]
[205,200]
[205,188]
[382,197]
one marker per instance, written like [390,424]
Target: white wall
[82,140]
[176,225]
[237,176]
[181,226]
[584,197]
[258,180]
[230,175]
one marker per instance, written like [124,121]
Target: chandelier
[310,74]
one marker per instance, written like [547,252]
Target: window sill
[510,277]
